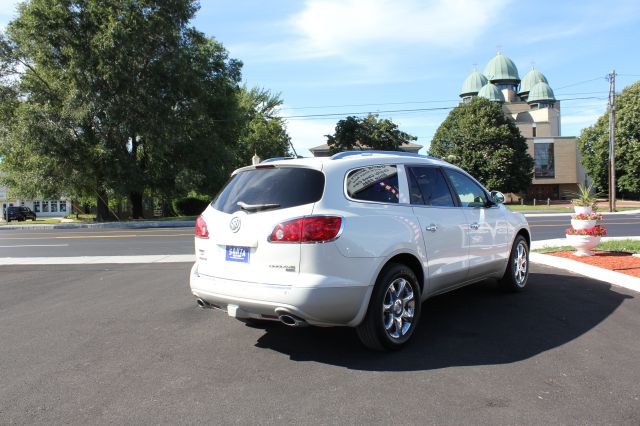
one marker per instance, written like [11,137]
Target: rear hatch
[242,217]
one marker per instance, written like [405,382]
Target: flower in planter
[596,231]
[590,216]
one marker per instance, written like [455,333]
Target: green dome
[532,78]
[541,92]
[502,70]
[473,84]
[491,92]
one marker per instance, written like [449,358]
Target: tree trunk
[102,211]
[136,205]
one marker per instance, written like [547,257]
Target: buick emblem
[235,224]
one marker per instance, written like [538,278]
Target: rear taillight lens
[201,228]
[313,229]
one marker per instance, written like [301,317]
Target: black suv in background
[20,214]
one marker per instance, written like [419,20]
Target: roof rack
[346,154]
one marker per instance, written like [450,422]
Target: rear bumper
[330,305]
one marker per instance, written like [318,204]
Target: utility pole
[612,145]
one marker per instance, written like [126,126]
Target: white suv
[359,239]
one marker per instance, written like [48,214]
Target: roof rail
[271,160]
[346,154]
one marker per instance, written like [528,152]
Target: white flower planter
[583,224]
[582,210]
[583,244]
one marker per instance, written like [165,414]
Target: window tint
[281,186]
[428,187]
[469,192]
[374,183]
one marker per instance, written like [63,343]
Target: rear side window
[428,187]
[272,188]
[374,183]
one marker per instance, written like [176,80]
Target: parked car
[359,239]
[20,214]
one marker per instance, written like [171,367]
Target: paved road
[127,345]
[123,242]
[548,227]
[96,242]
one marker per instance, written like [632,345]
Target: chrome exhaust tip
[204,304]
[292,321]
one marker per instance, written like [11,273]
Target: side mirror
[497,197]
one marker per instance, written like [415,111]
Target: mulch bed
[611,260]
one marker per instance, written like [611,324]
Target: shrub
[189,206]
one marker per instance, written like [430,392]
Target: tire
[394,305]
[517,274]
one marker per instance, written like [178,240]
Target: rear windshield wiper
[256,207]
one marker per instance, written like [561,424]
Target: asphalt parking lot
[126,344]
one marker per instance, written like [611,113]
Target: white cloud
[7,12]
[308,133]
[343,27]
[365,32]
[577,117]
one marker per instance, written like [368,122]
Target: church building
[531,103]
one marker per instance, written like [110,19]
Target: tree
[369,132]
[477,137]
[262,132]
[115,98]
[594,144]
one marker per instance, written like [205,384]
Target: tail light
[201,228]
[313,229]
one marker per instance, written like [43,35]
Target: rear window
[280,187]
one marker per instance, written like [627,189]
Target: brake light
[201,228]
[313,229]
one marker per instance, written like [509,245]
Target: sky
[406,59]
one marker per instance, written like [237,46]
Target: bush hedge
[189,206]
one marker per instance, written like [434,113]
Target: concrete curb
[611,277]
[105,225]
[569,214]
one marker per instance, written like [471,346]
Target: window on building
[544,161]
[54,207]
[36,206]
[63,206]
[45,207]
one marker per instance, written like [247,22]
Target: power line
[581,82]
[338,114]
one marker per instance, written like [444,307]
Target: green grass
[520,208]
[165,219]
[553,249]
[628,246]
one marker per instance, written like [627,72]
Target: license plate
[238,254]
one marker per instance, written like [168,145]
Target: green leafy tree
[115,97]
[477,137]
[594,144]
[369,133]
[262,132]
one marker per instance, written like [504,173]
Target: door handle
[474,226]
[431,228]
